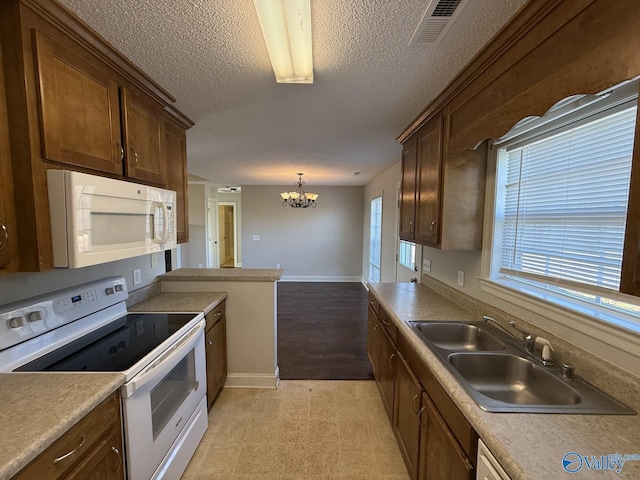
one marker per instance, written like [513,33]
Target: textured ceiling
[368,82]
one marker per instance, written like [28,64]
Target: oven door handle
[167,361]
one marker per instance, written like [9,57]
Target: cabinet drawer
[389,326]
[65,453]
[374,305]
[214,315]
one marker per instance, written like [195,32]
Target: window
[375,240]
[562,189]
[407,254]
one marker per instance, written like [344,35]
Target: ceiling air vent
[435,22]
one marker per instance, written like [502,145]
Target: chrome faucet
[527,338]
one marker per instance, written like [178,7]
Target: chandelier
[299,198]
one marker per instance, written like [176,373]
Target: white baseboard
[253,380]
[302,278]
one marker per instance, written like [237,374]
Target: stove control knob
[109,291]
[16,322]
[35,316]
[119,288]
[122,344]
[113,350]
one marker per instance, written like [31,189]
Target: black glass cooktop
[113,348]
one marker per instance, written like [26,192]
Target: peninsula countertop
[38,408]
[180,302]
[223,275]
[528,446]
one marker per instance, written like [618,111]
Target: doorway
[227,234]
[213,255]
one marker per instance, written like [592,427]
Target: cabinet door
[408,189]
[407,403]
[143,121]
[441,457]
[103,463]
[216,351]
[79,109]
[373,341]
[176,164]
[428,183]
[386,371]
[8,258]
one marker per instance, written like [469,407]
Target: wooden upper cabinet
[175,142]
[8,243]
[408,189]
[79,109]
[630,276]
[143,124]
[428,183]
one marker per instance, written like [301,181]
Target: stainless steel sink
[459,337]
[512,379]
[501,377]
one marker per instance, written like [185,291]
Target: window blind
[565,203]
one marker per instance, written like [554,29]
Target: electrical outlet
[426,265]
[277,265]
[137,277]
[461,278]
[256,237]
[154,260]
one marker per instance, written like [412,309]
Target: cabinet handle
[218,314]
[413,400]
[121,154]
[377,325]
[411,227]
[135,155]
[385,322]
[209,342]
[420,417]
[432,227]
[5,235]
[117,452]
[391,361]
[67,455]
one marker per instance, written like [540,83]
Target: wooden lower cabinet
[441,457]
[386,371]
[407,405]
[216,352]
[92,449]
[435,439]
[373,341]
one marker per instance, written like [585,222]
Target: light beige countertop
[528,446]
[223,275]
[180,302]
[37,408]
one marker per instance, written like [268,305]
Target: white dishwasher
[488,466]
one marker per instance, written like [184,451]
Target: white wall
[384,184]
[18,286]
[322,243]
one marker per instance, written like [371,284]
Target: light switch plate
[426,265]
[137,277]
[256,237]
[154,260]
[461,278]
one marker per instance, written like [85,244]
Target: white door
[213,254]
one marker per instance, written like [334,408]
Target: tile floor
[323,430]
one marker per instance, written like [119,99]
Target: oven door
[159,401]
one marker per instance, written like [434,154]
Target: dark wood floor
[322,331]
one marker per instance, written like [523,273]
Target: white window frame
[412,247]
[372,266]
[588,326]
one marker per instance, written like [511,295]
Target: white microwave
[96,219]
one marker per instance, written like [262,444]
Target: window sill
[543,305]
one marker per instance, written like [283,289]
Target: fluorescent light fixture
[286,26]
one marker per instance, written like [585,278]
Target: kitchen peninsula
[251,309]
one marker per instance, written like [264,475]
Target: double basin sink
[500,376]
